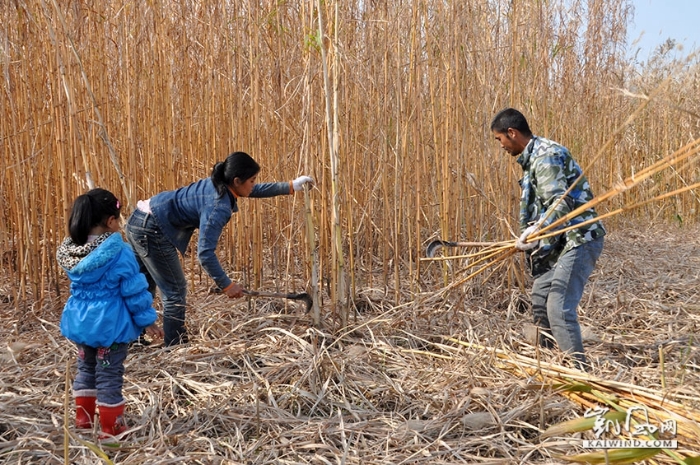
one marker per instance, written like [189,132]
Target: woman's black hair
[89,210]
[237,165]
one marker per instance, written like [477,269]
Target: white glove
[520,244]
[298,183]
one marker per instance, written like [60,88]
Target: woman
[163,225]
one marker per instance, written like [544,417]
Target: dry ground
[259,385]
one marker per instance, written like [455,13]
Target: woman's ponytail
[217,177]
[237,165]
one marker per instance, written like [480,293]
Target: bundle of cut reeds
[591,392]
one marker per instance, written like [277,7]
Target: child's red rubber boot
[112,422]
[85,408]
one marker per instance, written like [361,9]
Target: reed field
[387,105]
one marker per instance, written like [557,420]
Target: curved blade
[303,296]
[306,298]
[434,246]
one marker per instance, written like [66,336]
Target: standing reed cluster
[140,97]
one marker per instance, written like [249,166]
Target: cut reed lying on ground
[590,392]
[586,390]
[260,384]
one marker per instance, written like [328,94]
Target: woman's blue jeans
[556,295]
[102,369]
[160,262]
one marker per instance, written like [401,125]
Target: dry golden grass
[259,384]
[139,97]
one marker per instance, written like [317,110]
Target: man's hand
[521,243]
[298,183]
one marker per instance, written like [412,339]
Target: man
[561,264]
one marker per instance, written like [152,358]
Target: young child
[109,307]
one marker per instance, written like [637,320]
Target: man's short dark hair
[510,118]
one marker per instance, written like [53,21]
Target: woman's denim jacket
[179,212]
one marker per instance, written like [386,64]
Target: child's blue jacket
[109,302]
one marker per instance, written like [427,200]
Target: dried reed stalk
[591,391]
[146,97]
[259,384]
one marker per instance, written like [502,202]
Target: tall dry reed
[140,97]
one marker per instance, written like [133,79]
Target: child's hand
[154,331]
